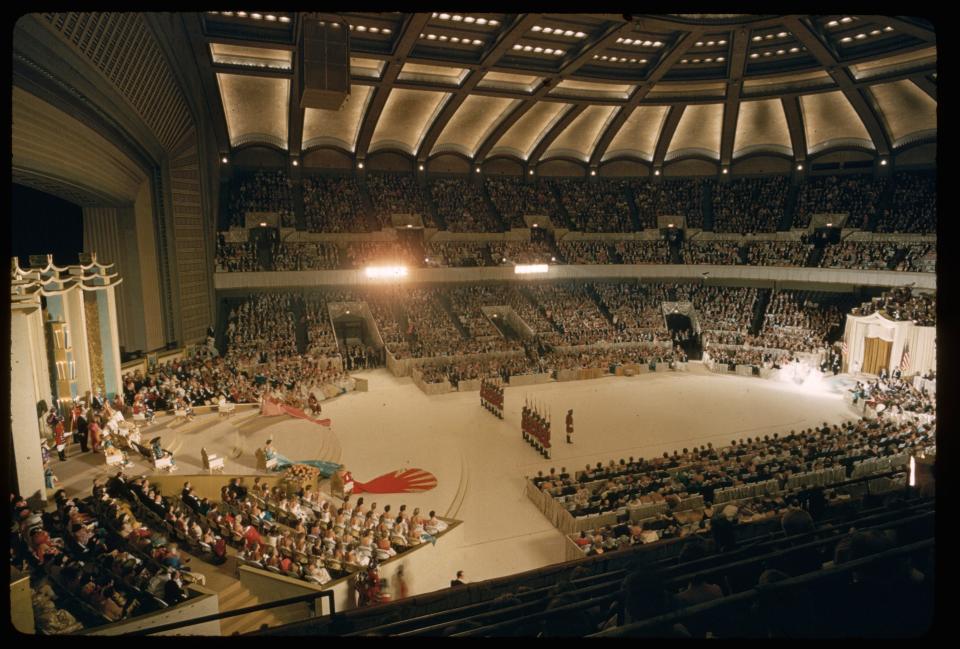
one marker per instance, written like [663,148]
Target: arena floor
[480,461]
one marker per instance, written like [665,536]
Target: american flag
[905,359]
[843,347]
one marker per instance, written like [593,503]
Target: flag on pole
[905,359]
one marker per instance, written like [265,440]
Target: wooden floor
[481,461]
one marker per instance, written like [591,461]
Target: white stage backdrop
[921,342]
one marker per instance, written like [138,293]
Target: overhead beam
[662,67]
[208,79]
[409,35]
[926,85]
[666,134]
[561,125]
[567,69]
[731,107]
[798,138]
[509,36]
[906,26]
[841,76]
[294,110]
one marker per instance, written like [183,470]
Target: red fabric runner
[406,481]
[271,408]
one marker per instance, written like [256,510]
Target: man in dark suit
[459,581]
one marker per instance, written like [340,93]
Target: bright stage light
[379,272]
[527,269]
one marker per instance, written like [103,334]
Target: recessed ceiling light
[657,43]
[649,43]
[656,173]
[720,59]
[710,43]
[477,42]
[558,52]
[696,60]
[708,60]
[256,16]
[832,23]
[481,21]
[782,35]
[767,53]
[860,36]
[224,160]
[875,32]
[271,17]
[517,46]
[605,57]
[580,35]
[845,39]
[457,18]
[721,42]
[758,38]
[444,16]
[888,28]
[883,163]
[531,172]
[628,41]
[527,48]
[242,14]
[569,32]
[469,19]
[633,60]
[493,23]
[431,37]
[769,37]
[754,55]
[620,40]
[548,30]
[794,50]
[538,49]
[643,60]
[442,37]
[454,39]
[699,44]
[359,165]
[536,28]
[781,52]
[421,167]
[846,19]
[361,28]
[434,14]
[683,60]
[385,30]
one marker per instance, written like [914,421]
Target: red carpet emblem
[401,481]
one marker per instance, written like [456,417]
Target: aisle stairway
[634,212]
[886,199]
[503,222]
[759,309]
[789,207]
[561,208]
[706,204]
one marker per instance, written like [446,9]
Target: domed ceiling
[588,88]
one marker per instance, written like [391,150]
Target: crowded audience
[681,197]
[749,205]
[598,205]
[333,204]
[643,252]
[913,207]
[514,198]
[394,193]
[457,253]
[724,253]
[902,304]
[461,206]
[308,255]
[778,253]
[858,196]
[263,191]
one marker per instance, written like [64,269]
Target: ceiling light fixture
[478,169]
[883,163]
[359,165]
[444,16]
[477,42]
[799,167]
[558,52]
[845,39]
[536,28]
[296,163]
[832,23]
[469,19]
[710,43]
[569,32]
[256,16]
[421,167]
[481,21]
[580,35]
[721,42]
[656,172]
[720,59]
[271,17]
[754,55]
[493,23]
[224,160]
[782,35]
[846,19]
[888,28]
[548,30]
[457,18]
[531,172]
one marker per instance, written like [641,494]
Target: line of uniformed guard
[491,396]
[536,430]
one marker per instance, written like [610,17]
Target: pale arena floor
[480,461]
